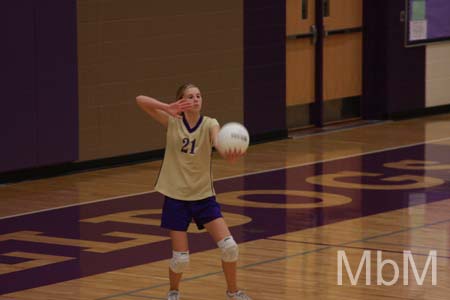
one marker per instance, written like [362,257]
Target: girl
[186,182]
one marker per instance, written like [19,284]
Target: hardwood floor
[284,253]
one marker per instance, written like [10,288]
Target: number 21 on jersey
[188,146]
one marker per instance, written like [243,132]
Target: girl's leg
[179,244]
[218,230]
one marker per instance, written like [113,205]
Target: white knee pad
[229,248]
[179,261]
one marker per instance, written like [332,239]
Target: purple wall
[57,81]
[18,117]
[39,115]
[405,66]
[265,67]
[393,75]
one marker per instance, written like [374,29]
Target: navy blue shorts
[178,214]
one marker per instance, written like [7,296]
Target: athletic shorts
[178,214]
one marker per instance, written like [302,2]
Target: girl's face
[194,96]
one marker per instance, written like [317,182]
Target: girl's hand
[232,155]
[176,108]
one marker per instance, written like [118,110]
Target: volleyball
[233,137]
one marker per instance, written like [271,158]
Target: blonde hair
[183,88]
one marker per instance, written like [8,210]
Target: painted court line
[157,286]
[146,297]
[237,176]
[358,248]
[412,246]
[377,236]
[346,128]
[281,258]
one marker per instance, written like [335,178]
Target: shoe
[173,295]
[239,295]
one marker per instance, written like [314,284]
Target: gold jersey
[186,169]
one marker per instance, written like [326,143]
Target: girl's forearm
[151,103]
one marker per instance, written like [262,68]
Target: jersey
[186,168]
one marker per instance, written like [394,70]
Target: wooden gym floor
[292,205]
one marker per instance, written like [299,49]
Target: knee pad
[179,261]
[229,248]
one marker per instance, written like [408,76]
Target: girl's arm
[160,111]
[214,132]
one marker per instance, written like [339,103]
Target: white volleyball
[233,136]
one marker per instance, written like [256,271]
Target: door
[323,61]
[342,59]
[300,61]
